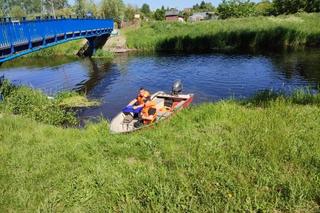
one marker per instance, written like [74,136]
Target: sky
[154,4]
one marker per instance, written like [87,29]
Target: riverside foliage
[259,156]
[34,104]
[254,33]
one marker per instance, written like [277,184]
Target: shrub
[36,105]
[6,88]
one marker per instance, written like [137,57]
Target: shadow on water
[38,62]
[300,63]
[97,70]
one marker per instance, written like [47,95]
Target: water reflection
[97,70]
[304,64]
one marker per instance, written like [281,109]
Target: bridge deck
[18,38]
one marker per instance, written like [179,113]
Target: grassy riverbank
[254,33]
[34,104]
[70,50]
[260,155]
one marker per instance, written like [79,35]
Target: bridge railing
[17,36]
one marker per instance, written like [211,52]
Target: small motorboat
[166,104]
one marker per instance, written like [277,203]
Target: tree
[17,12]
[159,14]
[27,6]
[51,5]
[1,8]
[264,8]
[186,14]
[203,7]
[289,6]
[145,9]
[80,8]
[236,8]
[113,9]
[129,12]
[313,6]
[67,11]
[92,8]
[196,7]
[206,6]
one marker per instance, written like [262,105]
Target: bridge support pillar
[92,45]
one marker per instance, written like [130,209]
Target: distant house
[203,16]
[173,15]
[137,16]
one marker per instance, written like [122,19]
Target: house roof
[172,12]
[200,14]
[203,14]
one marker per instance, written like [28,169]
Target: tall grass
[227,156]
[100,53]
[254,33]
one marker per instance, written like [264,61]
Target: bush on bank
[34,104]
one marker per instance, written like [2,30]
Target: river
[210,77]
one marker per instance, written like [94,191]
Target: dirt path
[117,44]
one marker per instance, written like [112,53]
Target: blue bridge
[19,38]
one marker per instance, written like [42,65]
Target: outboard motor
[177,87]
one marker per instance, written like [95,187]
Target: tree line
[244,8]
[120,12]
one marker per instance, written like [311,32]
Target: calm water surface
[210,77]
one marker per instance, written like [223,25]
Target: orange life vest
[145,111]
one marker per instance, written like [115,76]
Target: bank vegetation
[252,33]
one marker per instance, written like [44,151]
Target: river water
[210,77]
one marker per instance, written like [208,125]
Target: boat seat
[159,102]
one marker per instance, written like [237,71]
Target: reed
[253,33]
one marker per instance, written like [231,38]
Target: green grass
[100,53]
[254,33]
[74,100]
[36,105]
[261,155]
[39,62]
[70,49]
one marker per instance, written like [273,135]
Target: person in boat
[148,114]
[136,105]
